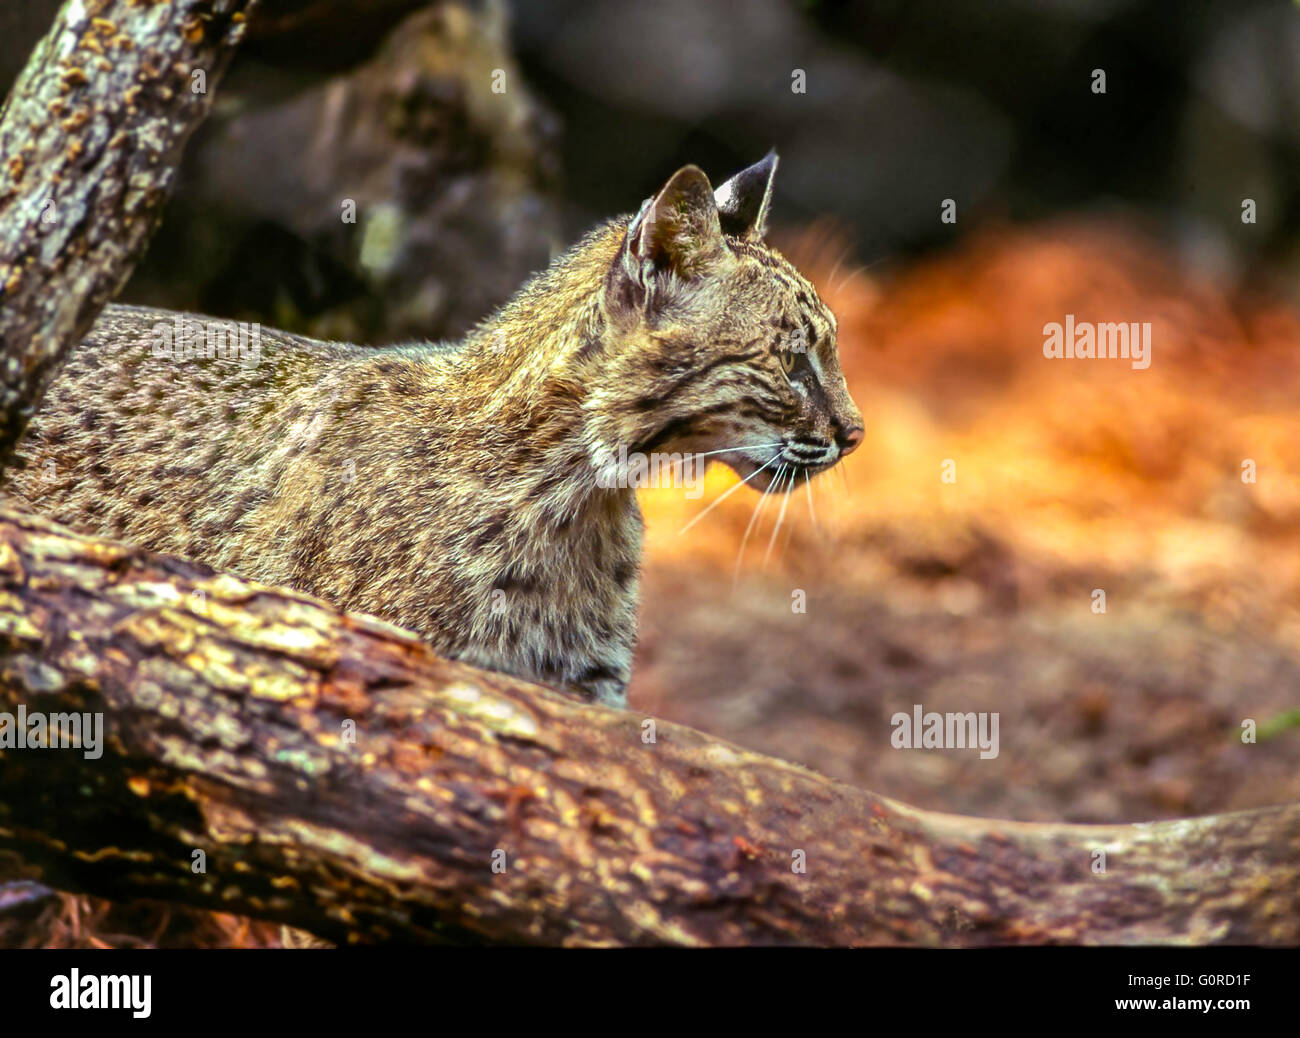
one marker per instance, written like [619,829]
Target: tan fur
[450,489]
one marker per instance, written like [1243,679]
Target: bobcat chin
[453,489]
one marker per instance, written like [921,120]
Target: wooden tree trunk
[338,776]
[90,137]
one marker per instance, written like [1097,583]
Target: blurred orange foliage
[1071,475]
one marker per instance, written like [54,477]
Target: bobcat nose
[849,441]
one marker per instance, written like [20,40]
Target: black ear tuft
[743,201]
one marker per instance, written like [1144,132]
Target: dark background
[913,101]
[908,102]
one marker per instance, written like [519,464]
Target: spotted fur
[451,489]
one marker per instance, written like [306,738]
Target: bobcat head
[719,345]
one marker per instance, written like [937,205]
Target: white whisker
[677,465]
[789,533]
[839,262]
[785,500]
[750,447]
[831,501]
[812,512]
[758,505]
[690,455]
[728,493]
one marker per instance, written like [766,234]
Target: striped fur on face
[722,345]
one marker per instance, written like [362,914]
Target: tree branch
[91,136]
[228,709]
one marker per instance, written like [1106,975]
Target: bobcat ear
[743,201]
[678,230]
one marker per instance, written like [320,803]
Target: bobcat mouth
[813,455]
[794,463]
[785,477]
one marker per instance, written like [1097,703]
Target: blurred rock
[451,182]
[649,86]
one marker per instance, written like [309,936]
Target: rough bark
[90,137]
[227,711]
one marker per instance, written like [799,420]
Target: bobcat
[452,489]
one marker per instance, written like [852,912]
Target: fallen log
[265,754]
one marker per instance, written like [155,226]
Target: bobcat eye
[792,361]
